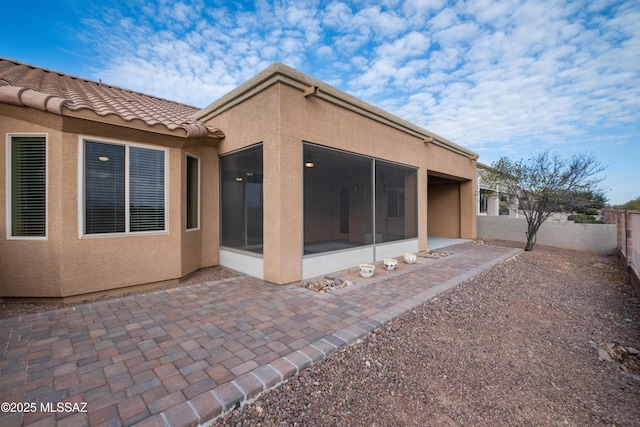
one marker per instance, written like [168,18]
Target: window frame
[9,195]
[198,191]
[256,247]
[483,201]
[82,186]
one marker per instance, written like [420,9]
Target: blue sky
[502,78]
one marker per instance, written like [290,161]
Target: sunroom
[314,181]
[355,208]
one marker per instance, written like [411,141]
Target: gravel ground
[510,347]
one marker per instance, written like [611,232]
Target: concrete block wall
[599,238]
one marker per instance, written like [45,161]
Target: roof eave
[280,73]
[24,97]
[186,131]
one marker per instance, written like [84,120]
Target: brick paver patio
[183,356]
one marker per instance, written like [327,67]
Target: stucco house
[285,178]
[492,201]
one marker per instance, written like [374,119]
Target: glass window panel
[193,192]
[28,187]
[504,204]
[146,190]
[396,202]
[484,201]
[104,188]
[242,200]
[337,200]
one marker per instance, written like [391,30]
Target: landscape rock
[326,284]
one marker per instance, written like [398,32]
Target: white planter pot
[367,270]
[410,258]
[390,264]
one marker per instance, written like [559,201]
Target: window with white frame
[27,186]
[124,188]
[484,201]
[193,192]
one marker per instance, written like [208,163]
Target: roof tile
[26,85]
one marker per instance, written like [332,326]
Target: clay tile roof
[29,86]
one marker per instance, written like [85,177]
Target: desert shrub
[590,211]
[632,205]
[584,219]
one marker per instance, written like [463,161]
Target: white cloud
[393,65]
[494,13]
[456,35]
[420,10]
[446,18]
[381,23]
[337,15]
[194,54]
[325,52]
[477,72]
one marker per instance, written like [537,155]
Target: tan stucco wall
[66,264]
[282,118]
[468,220]
[200,246]
[257,120]
[442,162]
[318,121]
[443,204]
[30,267]
[95,263]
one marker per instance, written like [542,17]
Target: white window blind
[108,183]
[28,186]
[146,189]
[104,188]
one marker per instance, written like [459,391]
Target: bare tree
[546,183]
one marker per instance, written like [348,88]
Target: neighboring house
[491,201]
[285,178]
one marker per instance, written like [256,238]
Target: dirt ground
[513,346]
